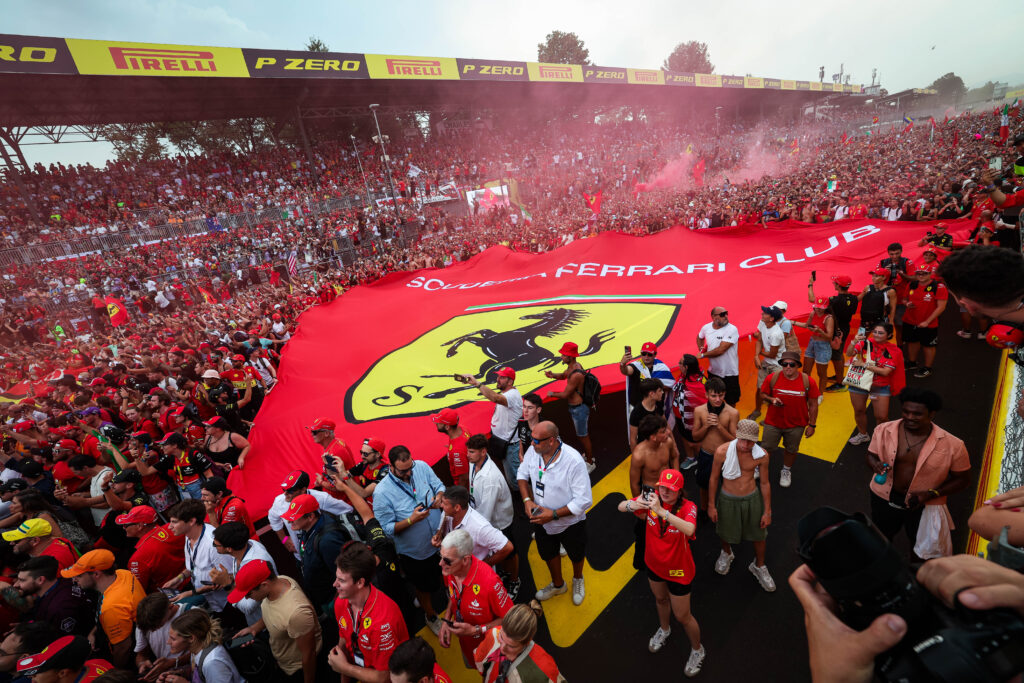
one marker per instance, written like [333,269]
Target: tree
[314,44]
[950,87]
[135,142]
[562,48]
[981,94]
[690,56]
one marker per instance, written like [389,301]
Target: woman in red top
[886,361]
[671,522]
[688,393]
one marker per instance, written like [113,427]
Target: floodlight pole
[366,185]
[387,165]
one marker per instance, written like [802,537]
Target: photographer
[840,654]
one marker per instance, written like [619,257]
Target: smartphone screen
[814,275]
[996,163]
[629,350]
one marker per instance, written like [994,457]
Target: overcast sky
[910,43]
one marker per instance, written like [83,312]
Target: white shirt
[94,490]
[728,363]
[505,418]
[280,506]
[564,482]
[156,640]
[490,494]
[256,551]
[486,539]
[200,559]
[772,336]
[217,666]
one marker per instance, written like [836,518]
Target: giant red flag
[508,308]
[116,310]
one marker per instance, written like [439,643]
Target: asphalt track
[746,632]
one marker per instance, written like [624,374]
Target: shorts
[739,517]
[876,392]
[790,437]
[704,462]
[507,531]
[837,354]
[580,418]
[925,336]
[820,351]
[890,517]
[732,388]
[767,368]
[675,589]
[573,538]
[897,319]
[683,431]
[424,575]
[639,542]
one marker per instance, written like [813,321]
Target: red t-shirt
[1014,199]
[340,449]
[482,598]
[61,549]
[159,556]
[233,510]
[381,629]
[882,356]
[923,300]
[239,379]
[793,412]
[458,455]
[439,675]
[667,551]
[67,478]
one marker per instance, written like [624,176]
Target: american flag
[293,263]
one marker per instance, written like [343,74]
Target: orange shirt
[117,612]
[941,454]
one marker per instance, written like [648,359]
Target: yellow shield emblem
[366,622]
[419,378]
[476,589]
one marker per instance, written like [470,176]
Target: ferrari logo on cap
[668,476]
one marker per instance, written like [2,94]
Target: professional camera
[867,577]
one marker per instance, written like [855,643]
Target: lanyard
[542,468]
[401,486]
[458,595]
[195,551]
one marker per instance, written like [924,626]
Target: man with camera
[508,408]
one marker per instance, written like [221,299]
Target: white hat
[781,305]
[211,374]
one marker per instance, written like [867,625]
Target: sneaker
[695,662]
[763,577]
[838,386]
[561,551]
[658,639]
[724,562]
[858,439]
[923,372]
[591,466]
[551,590]
[512,588]
[981,335]
[963,334]
[786,478]
[434,624]
[688,463]
[910,365]
[578,591]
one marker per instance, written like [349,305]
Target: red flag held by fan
[593,202]
[116,310]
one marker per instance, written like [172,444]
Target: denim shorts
[580,418]
[875,392]
[820,351]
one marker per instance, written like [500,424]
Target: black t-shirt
[639,413]
[844,305]
[942,241]
[66,607]
[525,433]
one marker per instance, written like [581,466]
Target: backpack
[791,341]
[254,660]
[590,392]
[872,305]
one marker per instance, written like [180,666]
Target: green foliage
[314,44]
[951,87]
[563,48]
[690,56]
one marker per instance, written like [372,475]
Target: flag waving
[1004,125]
[116,310]
[207,295]
[698,172]
[593,202]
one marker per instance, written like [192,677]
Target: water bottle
[880,478]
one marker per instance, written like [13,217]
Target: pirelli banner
[39,55]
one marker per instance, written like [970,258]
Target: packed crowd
[128,556]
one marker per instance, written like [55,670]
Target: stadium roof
[58,81]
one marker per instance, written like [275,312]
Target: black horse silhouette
[518,349]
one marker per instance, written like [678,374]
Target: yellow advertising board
[118,58]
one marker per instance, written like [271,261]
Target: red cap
[276,316]
[569,349]
[206,344]
[649,347]
[190,352]
[376,444]
[176,349]
[63,653]
[927,267]
[300,505]
[23,425]
[322,423]
[69,444]
[252,574]
[507,372]
[296,479]
[672,479]
[942,225]
[223,349]
[821,302]
[447,416]
[884,272]
[140,514]
[98,382]
[238,356]
[842,280]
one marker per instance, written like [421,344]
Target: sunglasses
[402,472]
[536,441]
[367,452]
[790,364]
[720,315]
[646,353]
[447,561]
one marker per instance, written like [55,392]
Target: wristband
[935,493]
[554,512]
[990,187]
[408,520]
[284,541]
[527,499]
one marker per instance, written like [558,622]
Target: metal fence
[1012,473]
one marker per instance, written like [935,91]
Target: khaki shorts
[789,436]
[739,518]
[767,368]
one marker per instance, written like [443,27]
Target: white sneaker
[591,466]
[434,624]
[549,591]
[578,592]
[695,662]
[858,439]
[786,478]
[763,577]
[561,551]
[658,639]
[724,562]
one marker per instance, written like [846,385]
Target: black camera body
[861,570]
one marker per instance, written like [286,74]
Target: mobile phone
[242,640]
[646,491]
[996,163]
[447,621]
[329,464]
[419,507]
[629,350]
[861,331]
[814,276]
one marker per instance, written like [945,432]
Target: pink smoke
[676,175]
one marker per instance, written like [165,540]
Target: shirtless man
[714,423]
[573,395]
[655,451]
[743,511]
